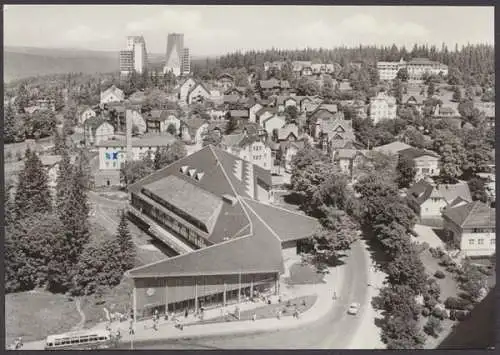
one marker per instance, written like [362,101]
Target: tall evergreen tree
[64,178]
[125,244]
[32,193]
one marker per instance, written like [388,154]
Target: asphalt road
[334,331]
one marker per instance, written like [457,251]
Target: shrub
[439,274]
[461,315]
[438,313]
[433,327]
[19,155]
[431,302]
[445,260]
[8,155]
[453,314]
[426,312]
[457,303]
[440,252]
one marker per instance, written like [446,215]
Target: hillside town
[344,197]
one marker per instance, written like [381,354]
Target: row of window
[483,230]
[175,225]
[480,241]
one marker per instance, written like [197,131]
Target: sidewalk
[166,329]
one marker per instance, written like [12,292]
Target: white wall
[185,89]
[274,123]
[432,209]
[426,162]
[252,111]
[104,132]
[487,247]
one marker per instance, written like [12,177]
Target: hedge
[439,274]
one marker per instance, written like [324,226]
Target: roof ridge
[230,183]
[262,221]
[281,208]
[475,206]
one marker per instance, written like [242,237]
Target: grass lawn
[36,314]
[117,299]
[304,275]
[268,311]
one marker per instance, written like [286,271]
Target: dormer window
[184,169]
[192,172]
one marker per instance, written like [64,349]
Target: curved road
[334,331]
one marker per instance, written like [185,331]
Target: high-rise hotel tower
[177,57]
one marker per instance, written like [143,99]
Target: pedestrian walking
[298,314]
[131,329]
[279,314]
[334,295]
[304,302]
[186,313]
[254,317]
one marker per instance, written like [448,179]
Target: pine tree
[74,215]
[125,244]
[32,193]
[63,181]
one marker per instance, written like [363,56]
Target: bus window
[93,339]
[49,344]
[74,341]
[102,338]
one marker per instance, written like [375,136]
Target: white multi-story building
[186,62]
[416,67]
[248,148]
[382,107]
[113,152]
[135,57]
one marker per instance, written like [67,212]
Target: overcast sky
[211,30]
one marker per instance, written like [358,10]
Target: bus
[80,340]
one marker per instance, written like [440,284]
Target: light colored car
[353,309]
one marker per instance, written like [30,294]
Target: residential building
[389,70]
[185,88]
[382,107]
[445,112]
[211,207]
[252,112]
[273,123]
[96,130]
[193,130]
[333,134]
[112,94]
[250,148]
[288,151]
[426,162]
[186,62]
[289,132]
[175,53]
[273,65]
[273,87]
[414,100]
[263,114]
[430,199]
[348,160]
[85,114]
[225,81]
[471,227]
[198,94]
[113,152]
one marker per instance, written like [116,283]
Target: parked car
[353,309]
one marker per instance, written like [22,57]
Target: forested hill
[471,60]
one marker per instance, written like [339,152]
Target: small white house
[98,130]
[113,94]
[199,93]
[185,88]
[426,162]
[272,123]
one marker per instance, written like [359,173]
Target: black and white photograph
[211,177]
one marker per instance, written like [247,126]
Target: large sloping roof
[179,193]
[472,215]
[392,148]
[254,247]
[413,153]
[286,224]
[259,251]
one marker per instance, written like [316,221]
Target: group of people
[17,344]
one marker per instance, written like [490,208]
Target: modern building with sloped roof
[213,209]
[471,227]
